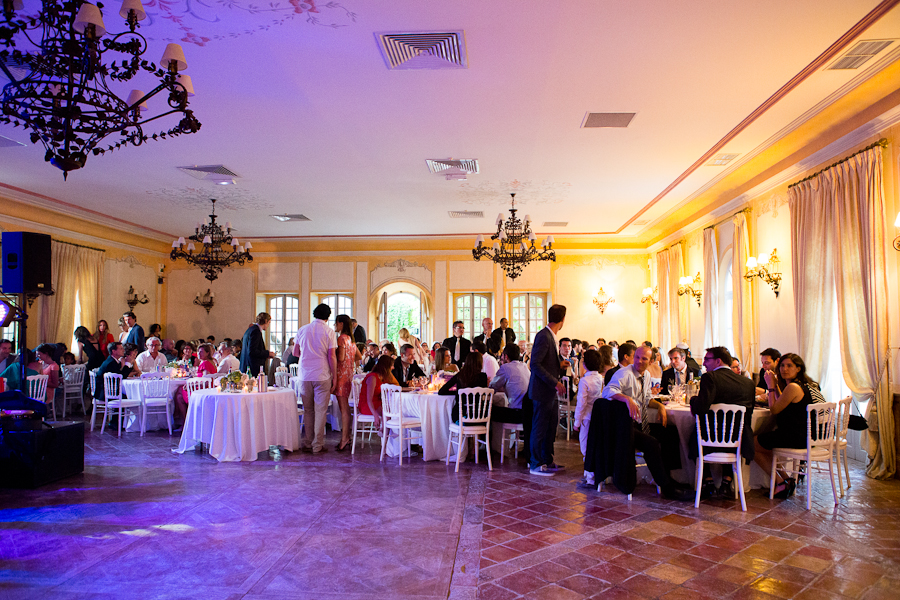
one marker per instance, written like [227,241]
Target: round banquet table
[237,427]
[134,391]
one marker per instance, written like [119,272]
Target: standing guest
[87,349]
[187,355]
[103,337]
[504,335]
[655,368]
[211,340]
[679,372]
[590,387]
[117,362]
[359,332]
[720,385]
[6,356]
[768,358]
[626,357]
[469,376]
[458,345]
[405,337]
[123,330]
[347,358]
[254,353]
[227,361]
[49,367]
[486,337]
[371,357]
[315,345]
[544,390]
[512,379]
[156,330]
[601,342]
[148,360]
[489,364]
[406,368]
[370,391]
[443,361]
[788,396]
[135,331]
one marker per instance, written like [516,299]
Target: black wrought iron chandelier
[219,249]
[514,247]
[59,90]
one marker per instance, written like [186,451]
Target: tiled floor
[142,522]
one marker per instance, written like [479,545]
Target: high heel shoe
[790,484]
[341,448]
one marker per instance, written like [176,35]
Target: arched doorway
[397,305]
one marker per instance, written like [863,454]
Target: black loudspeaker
[26,262]
[29,459]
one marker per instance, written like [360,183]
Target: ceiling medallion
[219,250]
[515,246]
[59,90]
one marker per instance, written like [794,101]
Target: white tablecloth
[134,391]
[240,426]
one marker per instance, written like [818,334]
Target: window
[726,308]
[340,305]
[529,314]
[11,333]
[285,313]
[471,309]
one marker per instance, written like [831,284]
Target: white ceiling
[302,106]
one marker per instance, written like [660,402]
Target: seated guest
[631,385]
[788,396]
[388,349]
[205,363]
[179,346]
[655,369]
[443,362]
[287,357]
[228,361]
[678,373]
[690,362]
[512,379]
[768,358]
[590,387]
[626,357]
[370,391]
[168,349]
[117,362]
[237,346]
[720,385]
[156,330]
[738,368]
[6,354]
[151,358]
[406,368]
[489,364]
[13,373]
[469,376]
[370,357]
[49,367]
[68,359]
[187,355]
[524,351]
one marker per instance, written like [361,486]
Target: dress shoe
[708,489]
[675,492]
[726,490]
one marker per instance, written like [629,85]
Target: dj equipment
[33,457]
[25,262]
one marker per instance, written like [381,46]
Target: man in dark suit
[371,357]
[458,345]
[406,368]
[721,385]
[120,361]
[253,345]
[135,331]
[626,357]
[543,389]
[691,363]
[679,372]
[487,337]
[359,334]
[768,358]
[503,335]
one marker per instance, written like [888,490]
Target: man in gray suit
[543,389]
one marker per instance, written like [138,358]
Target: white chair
[281,369]
[93,381]
[368,421]
[295,370]
[112,391]
[197,383]
[37,390]
[155,400]
[820,426]
[512,439]
[723,423]
[97,403]
[566,410]
[393,418]
[840,441]
[73,386]
[283,379]
[474,420]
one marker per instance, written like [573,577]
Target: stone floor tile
[521,583]
[583,584]
[550,571]
[609,573]
[670,573]
[554,592]
[646,586]
[777,587]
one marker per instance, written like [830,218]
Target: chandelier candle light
[133,299]
[207,300]
[648,297]
[693,287]
[59,91]
[219,249]
[514,246]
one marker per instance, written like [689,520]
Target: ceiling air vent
[859,54]
[436,50]
[641,222]
[465,214]
[556,223]
[607,119]
[216,173]
[720,160]
[453,169]
[284,218]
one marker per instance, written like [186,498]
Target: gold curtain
[90,275]
[669,270]
[710,289]
[73,270]
[742,316]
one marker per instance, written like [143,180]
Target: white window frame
[531,325]
[341,304]
[280,333]
[472,321]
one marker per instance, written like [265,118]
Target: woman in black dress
[468,377]
[788,397]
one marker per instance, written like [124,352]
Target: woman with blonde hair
[405,337]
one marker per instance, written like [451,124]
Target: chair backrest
[283,379]
[564,397]
[281,369]
[93,375]
[475,405]
[355,389]
[295,369]
[73,375]
[820,425]
[155,387]
[37,387]
[197,383]
[152,375]
[722,426]
[391,401]
[112,386]
[843,419]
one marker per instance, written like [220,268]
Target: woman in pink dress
[348,356]
[49,368]
[207,366]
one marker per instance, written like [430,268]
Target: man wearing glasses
[148,360]
[458,345]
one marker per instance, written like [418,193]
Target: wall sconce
[601,300]
[897,239]
[207,300]
[770,272]
[686,285]
[648,297]
[133,299]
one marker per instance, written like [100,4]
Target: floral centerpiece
[233,382]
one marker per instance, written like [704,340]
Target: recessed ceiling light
[607,119]
[556,223]
[465,214]
[720,160]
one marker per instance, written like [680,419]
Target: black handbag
[857,423]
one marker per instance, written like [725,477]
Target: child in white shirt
[589,389]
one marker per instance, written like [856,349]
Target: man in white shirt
[315,345]
[512,379]
[227,360]
[151,358]
[489,364]
[631,385]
